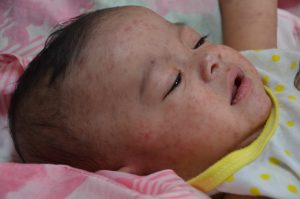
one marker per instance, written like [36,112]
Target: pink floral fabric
[292,6]
[25,24]
[11,67]
[59,181]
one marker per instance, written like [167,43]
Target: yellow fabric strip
[215,175]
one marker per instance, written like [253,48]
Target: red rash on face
[147,136]
[195,124]
[127,29]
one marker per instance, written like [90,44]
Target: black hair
[50,67]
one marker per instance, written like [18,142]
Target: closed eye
[175,84]
[200,42]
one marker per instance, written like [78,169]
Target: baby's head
[124,89]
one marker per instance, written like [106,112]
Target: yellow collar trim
[231,163]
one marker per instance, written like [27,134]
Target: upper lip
[235,78]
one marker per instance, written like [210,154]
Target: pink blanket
[58,181]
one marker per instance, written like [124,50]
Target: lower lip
[243,90]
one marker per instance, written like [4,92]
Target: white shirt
[270,166]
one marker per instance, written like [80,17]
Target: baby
[123,89]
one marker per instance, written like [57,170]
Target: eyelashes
[200,42]
[178,78]
[175,84]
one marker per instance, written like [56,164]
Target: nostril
[213,68]
[209,66]
[237,81]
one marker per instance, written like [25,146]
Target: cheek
[197,127]
[207,115]
[195,115]
[232,56]
[249,67]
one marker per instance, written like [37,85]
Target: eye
[175,84]
[200,42]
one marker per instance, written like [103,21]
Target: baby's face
[172,101]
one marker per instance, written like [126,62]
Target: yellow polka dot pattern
[275,58]
[287,152]
[293,65]
[292,97]
[279,88]
[290,123]
[274,161]
[254,191]
[265,176]
[277,71]
[292,188]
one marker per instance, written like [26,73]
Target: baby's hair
[38,117]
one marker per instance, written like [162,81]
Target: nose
[209,64]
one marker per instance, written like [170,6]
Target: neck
[250,138]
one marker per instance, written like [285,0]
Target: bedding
[24,27]
[58,181]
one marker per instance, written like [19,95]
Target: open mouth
[241,87]
[235,88]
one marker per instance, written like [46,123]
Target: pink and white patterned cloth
[58,181]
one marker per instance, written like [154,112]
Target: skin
[249,24]
[191,127]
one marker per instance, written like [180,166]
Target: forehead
[122,37]
[129,22]
[131,30]
[136,16]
